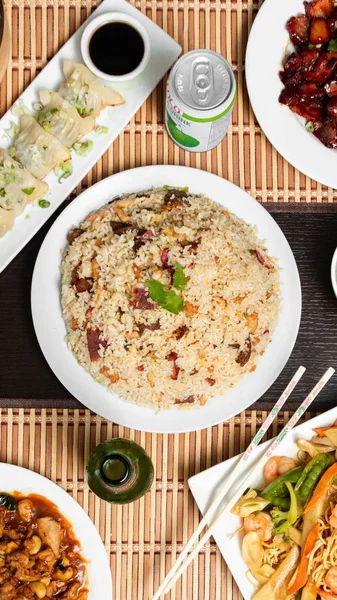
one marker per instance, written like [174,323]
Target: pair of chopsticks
[177,570]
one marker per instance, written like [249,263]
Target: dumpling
[7,218]
[18,187]
[61,119]
[38,150]
[85,91]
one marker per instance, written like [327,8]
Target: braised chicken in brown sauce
[39,554]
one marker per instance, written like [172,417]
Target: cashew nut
[33,545]
[64,575]
[38,588]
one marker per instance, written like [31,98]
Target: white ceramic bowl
[333,272]
[111,17]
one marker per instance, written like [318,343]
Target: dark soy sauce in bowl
[116,48]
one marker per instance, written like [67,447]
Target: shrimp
[330,579]
[333,517]
[262,524]
[277,465]
[270,471]
[286,464]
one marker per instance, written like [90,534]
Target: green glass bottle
[119,471]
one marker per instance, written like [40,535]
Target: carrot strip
[322,487]
[302,573]
[320,431]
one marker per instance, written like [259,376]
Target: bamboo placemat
[40,27]
[142,538]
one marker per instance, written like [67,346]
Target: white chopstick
[232,477]
[257,469]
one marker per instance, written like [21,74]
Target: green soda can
[119,471]
[200,96]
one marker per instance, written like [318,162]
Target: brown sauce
[116,48]
[23,565]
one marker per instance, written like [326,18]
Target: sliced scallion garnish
[44,203]
[28,191]
[83,148]
[102,129]
[63,170]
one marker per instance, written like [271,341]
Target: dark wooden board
[26,379]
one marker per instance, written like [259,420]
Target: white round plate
[266,48]
[13,478]
[51,332]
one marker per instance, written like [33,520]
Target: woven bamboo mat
[142,538]
[40,27]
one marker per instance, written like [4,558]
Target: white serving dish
[204,486]
[17,479]
[51,332]
[267,45]
[164,51]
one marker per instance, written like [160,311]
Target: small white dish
[164,52]
[50,327]
[17,479]
[205,485]
[267,45]
[333,272]
[113,17]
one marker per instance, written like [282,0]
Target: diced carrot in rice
[122,215]
[150,378]
[99,291]
[190,309]
[95,269]
[252,322]
[137,271]
[239,299]
[113,377]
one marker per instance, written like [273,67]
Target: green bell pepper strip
[312,472]
[277,492]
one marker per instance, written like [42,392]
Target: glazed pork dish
[309,73]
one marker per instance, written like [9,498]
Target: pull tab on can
[202,81]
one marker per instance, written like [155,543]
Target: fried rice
[208,267]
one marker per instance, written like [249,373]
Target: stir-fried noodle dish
[290,524]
